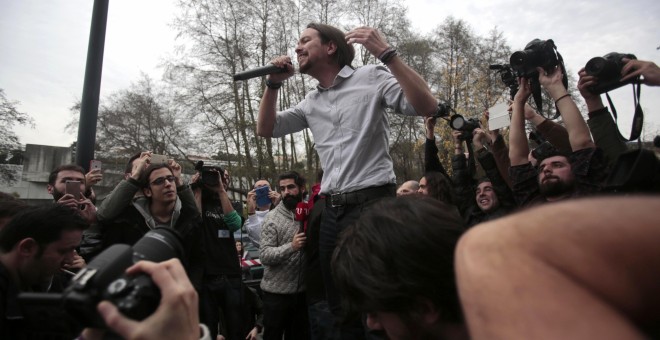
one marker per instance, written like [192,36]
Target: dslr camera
[466,126]
[537,53]
[508,77]
[443,110]
[544,148]
[210,174]
[104,278]
[608,71]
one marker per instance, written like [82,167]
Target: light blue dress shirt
[350,127]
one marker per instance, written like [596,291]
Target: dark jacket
[36,320]
[431,159]
[606,135]
[464,186]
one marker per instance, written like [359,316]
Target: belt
[360,196]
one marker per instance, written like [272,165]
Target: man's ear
[27,247]
[428,312]
[50,189]
[147,192]
[332,48]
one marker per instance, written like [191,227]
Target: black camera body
[608,71]
[443,110]
[104,278]
[508,77]
[210,174]
[136,297]
[544,148]
[537,53]
[466,126]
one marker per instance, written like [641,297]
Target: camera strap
[638,118]
[564,81]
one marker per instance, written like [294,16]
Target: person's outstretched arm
[518,145]
[414,87]
[647,69]
[578,131]
[583,269]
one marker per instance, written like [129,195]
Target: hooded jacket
[135,220]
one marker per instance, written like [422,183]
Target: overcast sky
[43,46]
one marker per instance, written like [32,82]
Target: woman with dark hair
[436,185]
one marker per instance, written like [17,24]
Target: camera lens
[598,67]
[518,59]
[457,122]
[158,245]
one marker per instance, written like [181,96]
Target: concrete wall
[40,160]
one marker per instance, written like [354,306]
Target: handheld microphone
[302,211]
[258,72]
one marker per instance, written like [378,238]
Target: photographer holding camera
[221,292]
[558,176]
[601,123]
[167,202]
[177,313]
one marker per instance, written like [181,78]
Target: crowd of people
[524,251]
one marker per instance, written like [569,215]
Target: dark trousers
[220,302]
[322,322]
[335,220]
[285,315]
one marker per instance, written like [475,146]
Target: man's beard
[57,194]
[556,187]
[304,68]
[290,202]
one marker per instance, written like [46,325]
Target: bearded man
[282,242]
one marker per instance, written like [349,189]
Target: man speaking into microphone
[282,242]
[347,115]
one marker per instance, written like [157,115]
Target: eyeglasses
[161,180]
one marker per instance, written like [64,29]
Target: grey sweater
[282,264]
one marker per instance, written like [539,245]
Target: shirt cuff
[205,333]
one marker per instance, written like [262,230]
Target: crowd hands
[567,162]
[518,257]
[438,214]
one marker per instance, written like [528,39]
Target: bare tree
[10,148]
[137,119]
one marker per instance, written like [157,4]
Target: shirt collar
[344,73]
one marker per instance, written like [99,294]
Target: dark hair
[552,153]
[11,207]
[439,187]
[44,224]
[73,167]
[401,249]
[144,176]
[483,179]
[129,166]
[345,52]
[295,176]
